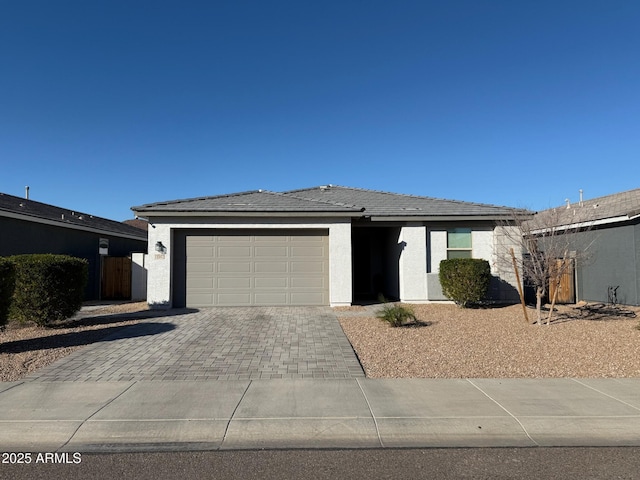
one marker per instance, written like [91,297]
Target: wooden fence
[116,278]
[566,287]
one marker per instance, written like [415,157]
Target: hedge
[48,287]
[465,280]
[7,287]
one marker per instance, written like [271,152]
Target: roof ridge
[322,202]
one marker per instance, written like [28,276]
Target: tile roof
[386,204]
[251,201]
[355,202]
[622,206]
[138,223]
[24,208]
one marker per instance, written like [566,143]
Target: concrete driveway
[246,343]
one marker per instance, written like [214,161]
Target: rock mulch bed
[495,343]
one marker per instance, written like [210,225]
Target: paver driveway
[219,344]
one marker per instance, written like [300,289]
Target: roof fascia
[72,226]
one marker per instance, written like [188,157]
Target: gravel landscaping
[448,342]
[494,343]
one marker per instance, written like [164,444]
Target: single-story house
[604,234]
[328,245]
[27,226]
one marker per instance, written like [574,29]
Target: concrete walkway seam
[94,414]
[504,408]
[233,414]
[605,394]
[375,420]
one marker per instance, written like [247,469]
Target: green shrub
[465,280]
[7,286]
[48,287]
[396,315]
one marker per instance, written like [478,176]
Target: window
[459,243]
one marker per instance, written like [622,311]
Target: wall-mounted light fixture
[160,247]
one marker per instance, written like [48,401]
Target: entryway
[376,255]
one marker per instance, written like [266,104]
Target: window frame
[460,249]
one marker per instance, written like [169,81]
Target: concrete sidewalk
[327,413]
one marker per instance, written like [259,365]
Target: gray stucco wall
[20,237]
[613,259]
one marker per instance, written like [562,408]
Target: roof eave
[74,226]
[586,224]
[213,213]
[440,218]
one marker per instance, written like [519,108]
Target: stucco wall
[413,263]
[610,259]
[22,237]
[160,281]
[489,243]
[138,276]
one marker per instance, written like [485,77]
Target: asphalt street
[486,463]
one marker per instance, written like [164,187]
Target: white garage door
[257,268]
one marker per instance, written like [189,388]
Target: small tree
[465,280]
[548,240]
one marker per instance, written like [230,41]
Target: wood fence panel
[116,278]
[566,289]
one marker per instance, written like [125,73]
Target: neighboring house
[328,245]
[27,226]
[138,223]
[605,235]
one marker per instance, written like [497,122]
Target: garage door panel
[307,251]
[233,239]
[268,238]
[271,267]
[257,267]
[306,298]
[194,298]
[233,283]
[271,282]
[200,240]
[308,238]
[232,299]
[203,267]
[271,298]
[308,282]
[307,267]
[197,251]
[234,267]
[272,251]
[230,251]
[196,283]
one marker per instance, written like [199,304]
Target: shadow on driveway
[86,337]
[88,319]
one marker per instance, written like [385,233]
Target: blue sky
[109,104]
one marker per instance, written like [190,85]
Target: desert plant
[48,287]
[465,280]
[396,315]
[7,286]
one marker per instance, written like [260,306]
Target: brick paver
[217,344]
